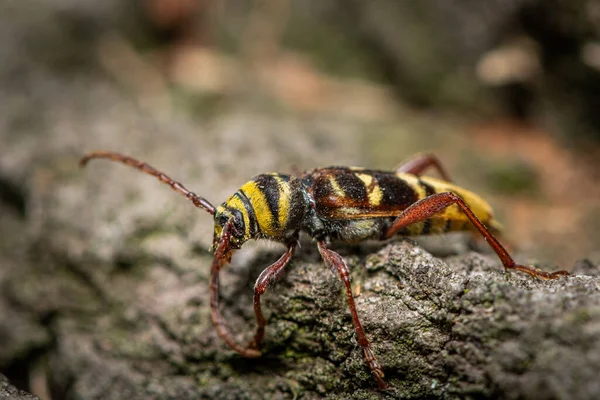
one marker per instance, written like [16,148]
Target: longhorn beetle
[346,204]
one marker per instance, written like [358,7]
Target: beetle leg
[265,279]
[222,256]
[337,263]
[429,206]
[420,163]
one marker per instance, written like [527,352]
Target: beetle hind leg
[420,162]
[434,204]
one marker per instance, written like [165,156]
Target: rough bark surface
[105,277]
[103,272]
[9,392]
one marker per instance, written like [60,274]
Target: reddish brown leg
[223,256]
[337,263]
[429,206]
[198,201]
[420,163]
[265,279]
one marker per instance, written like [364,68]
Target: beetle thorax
[270,206]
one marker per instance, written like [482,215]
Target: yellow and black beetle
[348,204]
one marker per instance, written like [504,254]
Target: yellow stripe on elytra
[373,192]
[366,179]
[348,211]
[336,187]
[480,207]
[236,203]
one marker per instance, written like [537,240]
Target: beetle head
[237,234]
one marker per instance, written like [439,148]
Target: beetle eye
[222,219]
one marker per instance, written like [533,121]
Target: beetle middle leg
[268,276]
[434,204]
[420,163]
[337,263]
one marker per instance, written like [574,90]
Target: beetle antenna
[198,201]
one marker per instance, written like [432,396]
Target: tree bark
[104,271]
[9,392]
[117,303]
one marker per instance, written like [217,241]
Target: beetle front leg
[337,263]
[265,279]
[222,257]
[219,320]
[434,204]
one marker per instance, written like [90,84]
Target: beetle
[347,204]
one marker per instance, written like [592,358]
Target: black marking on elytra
[396,192]
[429,190]
[426,227]
[254,228]
[269,185]
[322,188]
[353,187]
[403,231]
[448,225]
